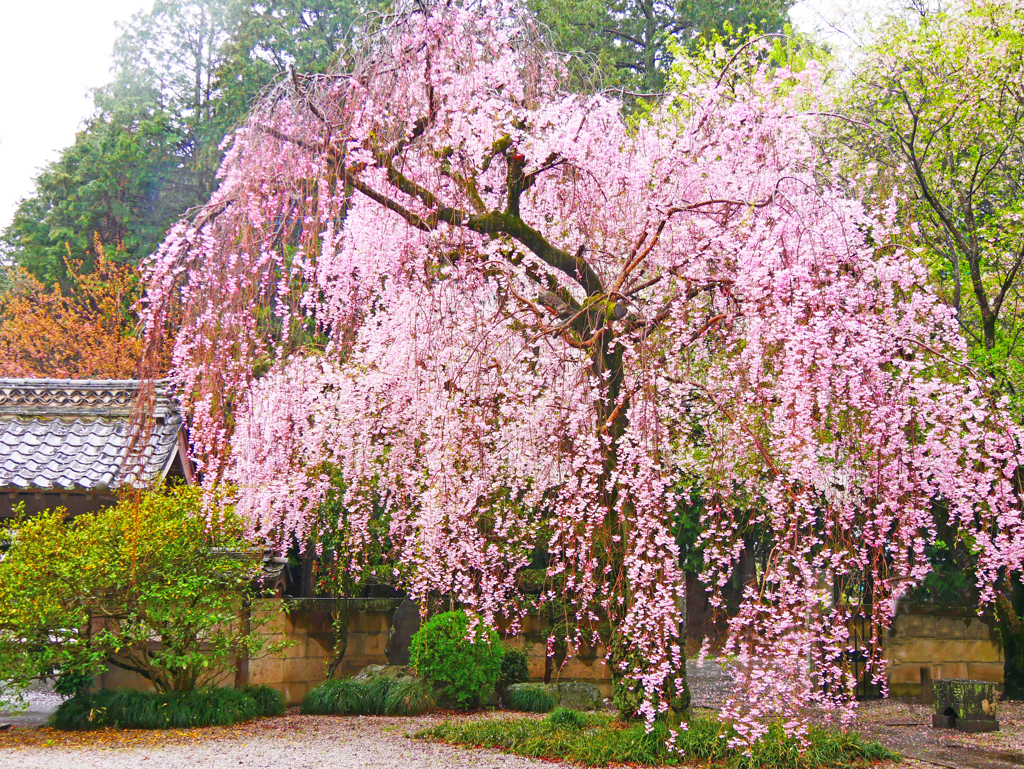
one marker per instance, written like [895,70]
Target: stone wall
[938,643]
[931,643]
[303,664]
[586,665]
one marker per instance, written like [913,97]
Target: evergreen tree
[632,40]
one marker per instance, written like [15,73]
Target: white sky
[51,54]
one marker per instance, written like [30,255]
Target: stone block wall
[302,665]
[945,643]
[586,665]
[940,643]
[310,639]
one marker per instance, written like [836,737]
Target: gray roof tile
[75,434]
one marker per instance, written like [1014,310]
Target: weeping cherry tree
[516,320]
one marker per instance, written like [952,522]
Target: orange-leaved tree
[87,330]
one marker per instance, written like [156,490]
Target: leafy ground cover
[380,697]
[596,740]
[132,709]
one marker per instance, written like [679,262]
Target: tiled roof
[73,434]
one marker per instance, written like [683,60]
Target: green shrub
[376,697]
[132,709]
[598,742]
[409,698]
[85,711]
[269,700]
[465,669]
[566,718]
[156,568]
[71,683]
[528,698]
[514,670]
[377,690]
[336,698]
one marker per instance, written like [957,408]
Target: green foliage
[337,698]
[80,594]
[631,41]
[377,691]
[514,669]
[268,699]
[628,696]
[409,698]
[70,683]
[465,666]
[185,74]
[106,185]
[377,697]
[566,718]
[627,693]
[594,740]
[936,117]
[528,698]
[132,709]
[332,538]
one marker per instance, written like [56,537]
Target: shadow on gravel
[41,704]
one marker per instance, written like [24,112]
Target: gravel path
[41,703]
[904,725]
[293,741]
[709,683]
[297,742]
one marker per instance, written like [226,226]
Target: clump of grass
[594,740]
[336,698]
[377,691]
[528,698]
[567,719]
[131,709]
[269,700]
[409,698]
[377,697]
[82,712]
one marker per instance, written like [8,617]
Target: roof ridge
[54,397]
[70,434]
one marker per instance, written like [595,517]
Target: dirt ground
[318,742]
[904,725]
[293,741]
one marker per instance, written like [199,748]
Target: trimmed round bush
[528,698]
[131,709]
[464,666]
[337,698]
[514,670]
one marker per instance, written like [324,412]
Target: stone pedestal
[966,705]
